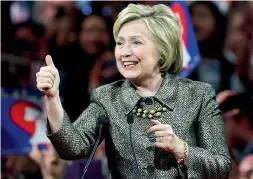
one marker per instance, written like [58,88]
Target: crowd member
[210,27]
[91,56]
[244,66]
[246,164]
[235,37]
[236,109]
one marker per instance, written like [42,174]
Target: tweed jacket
[192,111]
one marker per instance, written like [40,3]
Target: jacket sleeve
[75,141]
[210,159]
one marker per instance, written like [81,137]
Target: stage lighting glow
[87,10]
[106,11]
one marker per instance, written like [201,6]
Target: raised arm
[71,141]
[75,141]
[48,81]
[211,158]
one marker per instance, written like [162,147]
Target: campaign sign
[191,52]
[22,124]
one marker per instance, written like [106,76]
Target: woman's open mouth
[130,64]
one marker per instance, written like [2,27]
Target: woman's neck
[149,87]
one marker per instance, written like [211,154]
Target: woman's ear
[161,60]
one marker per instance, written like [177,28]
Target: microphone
[130,121]
[100,121]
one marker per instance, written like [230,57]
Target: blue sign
[23,122]
[191,52]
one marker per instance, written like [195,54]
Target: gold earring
[161,61]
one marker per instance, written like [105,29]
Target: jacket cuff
[66,122]
[195,156]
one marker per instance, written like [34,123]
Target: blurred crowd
[81,44]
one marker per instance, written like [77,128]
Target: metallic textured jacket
[192,111]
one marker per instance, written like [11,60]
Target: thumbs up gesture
[48,79]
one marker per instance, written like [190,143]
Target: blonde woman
[177,129]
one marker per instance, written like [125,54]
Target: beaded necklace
[150,114]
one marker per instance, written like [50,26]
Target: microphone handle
[134,154]
[93,151]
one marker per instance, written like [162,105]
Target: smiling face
[136,53]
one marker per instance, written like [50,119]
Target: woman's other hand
[169,141]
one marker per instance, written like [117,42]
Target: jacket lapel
[166,94]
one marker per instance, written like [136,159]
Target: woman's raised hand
[48,79]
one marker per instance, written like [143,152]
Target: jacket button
[150,169]
[148,101]
[150,148]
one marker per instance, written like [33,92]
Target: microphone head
[130,118]
[102,119]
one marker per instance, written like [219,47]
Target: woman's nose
[126,51]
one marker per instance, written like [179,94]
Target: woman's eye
[137,42]
[119,43]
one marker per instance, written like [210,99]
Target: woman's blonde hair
[165,28]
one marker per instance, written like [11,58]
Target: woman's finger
[46,75]
[155,122]
[44,86]
[163,133]
[160,127]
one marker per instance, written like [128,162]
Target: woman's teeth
[129,63]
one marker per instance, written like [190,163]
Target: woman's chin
[130,75]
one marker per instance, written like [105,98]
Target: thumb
[155,122]
[49,61]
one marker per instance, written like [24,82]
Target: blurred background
[78,36]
